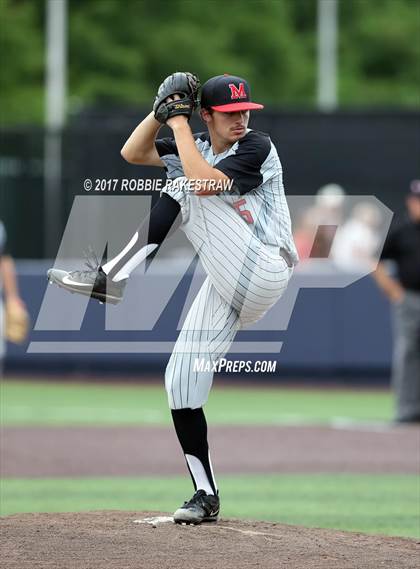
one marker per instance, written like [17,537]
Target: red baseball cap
[227,94]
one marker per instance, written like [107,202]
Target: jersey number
[245,213]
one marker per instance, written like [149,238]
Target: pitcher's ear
[205,115]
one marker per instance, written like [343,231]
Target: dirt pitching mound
[114,540]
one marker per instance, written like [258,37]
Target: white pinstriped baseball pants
[244,280]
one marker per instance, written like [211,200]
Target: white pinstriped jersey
[238,236]
[258,193]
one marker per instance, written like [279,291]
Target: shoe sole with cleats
[55,276]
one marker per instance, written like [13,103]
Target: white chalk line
[249,532]
[155,521]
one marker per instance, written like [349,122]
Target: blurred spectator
[403,247]
[357,240]
[316,228]
[304,233]
[17,317]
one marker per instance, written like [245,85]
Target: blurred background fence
[341,84]
[367,153]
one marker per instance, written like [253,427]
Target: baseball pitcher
[225,191]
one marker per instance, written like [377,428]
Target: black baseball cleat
[92,282]
[201,508]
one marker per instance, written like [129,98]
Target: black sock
[191,428]
[149,236]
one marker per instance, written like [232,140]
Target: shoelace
[198,498]
[91,261]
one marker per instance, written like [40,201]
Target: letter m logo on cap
[237,92]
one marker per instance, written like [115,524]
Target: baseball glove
[17,322]
[184,84]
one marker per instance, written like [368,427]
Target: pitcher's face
[227,127]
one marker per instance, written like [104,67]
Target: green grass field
[37,403]
[365,503]
[386,504]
